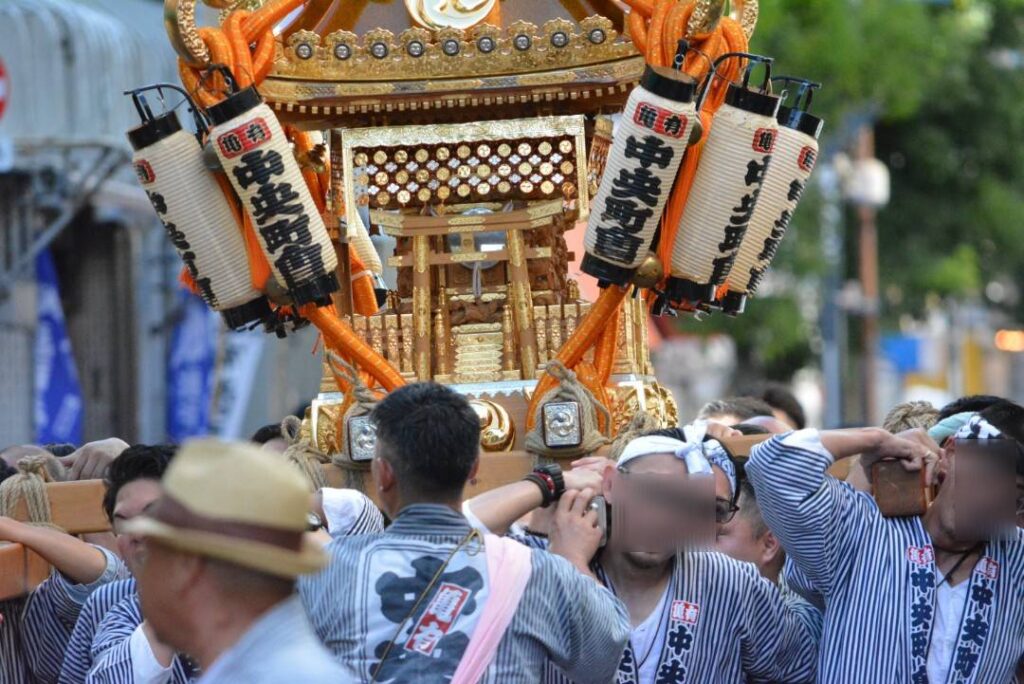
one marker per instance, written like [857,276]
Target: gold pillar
[521,300]
[421,306]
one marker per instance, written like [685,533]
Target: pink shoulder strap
[508,571]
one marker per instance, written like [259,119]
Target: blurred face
[133,499]
[658,509]
[738,539]
[980,491]
[1020,501]
[161,577]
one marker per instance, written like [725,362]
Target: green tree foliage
[958,175]
[912,65]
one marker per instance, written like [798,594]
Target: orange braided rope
[583,338]
[339,336]
[246,46]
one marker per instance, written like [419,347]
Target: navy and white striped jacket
[111,653]
[563,615]
[51,613]
[726,624]
[78,657]
[877,576]
[14,667]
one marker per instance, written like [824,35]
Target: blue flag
[58,400]
[190,370]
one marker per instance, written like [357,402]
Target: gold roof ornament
[458,14]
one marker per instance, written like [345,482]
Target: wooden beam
[450,258]
[496,469]
[421,310]
[540,214]
[21,571]
[76,507]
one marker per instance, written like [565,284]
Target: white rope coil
[198,219]
[723,196]
[792,163]
[623,220]
[258,160]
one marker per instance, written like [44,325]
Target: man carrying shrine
[432,599]
[696,615]
[929,599]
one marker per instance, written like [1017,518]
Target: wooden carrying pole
[77,508]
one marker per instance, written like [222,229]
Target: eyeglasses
[725,510]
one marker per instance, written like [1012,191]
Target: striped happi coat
[727,625]
[373,581]
[877,576]
[78,657]
[51,613]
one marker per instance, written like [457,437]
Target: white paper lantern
[796,151]
[258,161]
[736,155]
[168,162]
[648,148]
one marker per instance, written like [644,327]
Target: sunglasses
[725,510]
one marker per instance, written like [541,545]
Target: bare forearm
[499,508]
[846,443]
[80,562]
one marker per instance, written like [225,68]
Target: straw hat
[236,503]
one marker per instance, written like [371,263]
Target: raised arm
[819,520]
[79,562]
[497,509]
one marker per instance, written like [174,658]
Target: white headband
[692,454]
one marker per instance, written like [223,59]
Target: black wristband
[553,471]
[547,496]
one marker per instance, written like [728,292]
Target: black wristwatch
[549,480]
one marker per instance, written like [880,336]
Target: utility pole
[833,332]
[873,184]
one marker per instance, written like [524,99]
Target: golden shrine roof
[360,63]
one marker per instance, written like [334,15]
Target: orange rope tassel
[339,336]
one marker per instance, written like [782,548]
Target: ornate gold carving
[540,322]
[407,335]
[508,361]
[522,48]
[440,344]
[391,334]
[497,431]
[180,23]
[376,335]
[554,329]
[386,143]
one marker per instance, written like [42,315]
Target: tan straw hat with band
[234,502]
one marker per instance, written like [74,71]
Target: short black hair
[743,408]
[60,450]
[137,462]
[267,433]
[972,403]
[781,398]
[1008,418]
[431,437]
